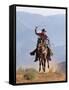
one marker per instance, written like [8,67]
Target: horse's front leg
[44,64]
[39,65]
[48,62]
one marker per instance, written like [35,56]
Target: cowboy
[43,36]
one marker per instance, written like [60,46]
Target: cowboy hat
[43,30]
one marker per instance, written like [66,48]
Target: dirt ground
[41,77]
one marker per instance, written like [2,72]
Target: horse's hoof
[43,69]
[48,66]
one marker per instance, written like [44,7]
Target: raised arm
[36,31]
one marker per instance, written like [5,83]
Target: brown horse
[42,56]
[42,53]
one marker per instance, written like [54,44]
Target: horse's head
[41,47]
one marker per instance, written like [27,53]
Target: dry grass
[31,75]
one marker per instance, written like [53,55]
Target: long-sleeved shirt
[42,35]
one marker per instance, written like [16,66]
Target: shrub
[30,74]
[20,70]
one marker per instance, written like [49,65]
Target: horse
[42,56]
[42,53]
